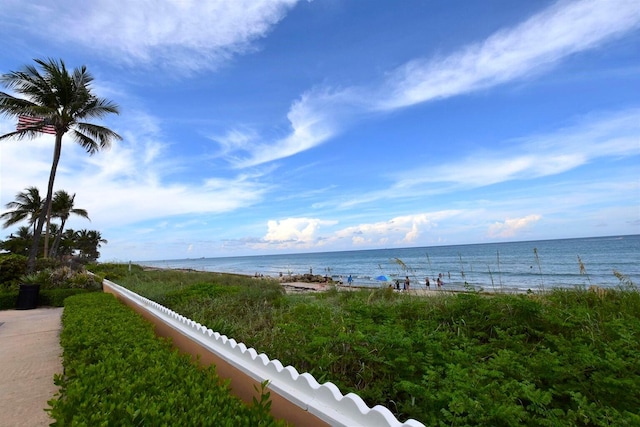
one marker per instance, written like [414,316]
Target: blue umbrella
[383,278]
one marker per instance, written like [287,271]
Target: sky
[257,127]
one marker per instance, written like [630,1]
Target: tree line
[28,205]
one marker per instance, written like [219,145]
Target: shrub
[47,263]
[84,280]
[118,373]
[566,357]
[8,300]
[56,297]
[41,277]
[59,278]
[63,278]
[112,271]
[12,267]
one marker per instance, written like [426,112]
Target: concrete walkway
[29,357]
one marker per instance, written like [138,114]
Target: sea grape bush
[116,372]
[565,357]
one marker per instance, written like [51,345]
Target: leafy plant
[116,372]
[42,277]
[262,406]
[564,357]
[12,267]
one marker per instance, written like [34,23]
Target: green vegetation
[12,267]
[56,282]
[566,357]
[118,373]
[80,246]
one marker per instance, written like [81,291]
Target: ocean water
[513,267]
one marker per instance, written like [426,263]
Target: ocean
[508,267]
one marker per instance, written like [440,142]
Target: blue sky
[278,126]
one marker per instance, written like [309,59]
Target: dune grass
[565,357]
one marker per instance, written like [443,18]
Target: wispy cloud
[540,42]
[190,35]
[595,137]
[317,116]
[530,48]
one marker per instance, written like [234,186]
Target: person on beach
[439,282]
[427,283]
[349,280]
[406,283]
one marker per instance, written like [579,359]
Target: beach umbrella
[383,278]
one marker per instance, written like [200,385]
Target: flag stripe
[30,122]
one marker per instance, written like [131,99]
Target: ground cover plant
[116,372]
[565,357]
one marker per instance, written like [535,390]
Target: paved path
[29,357]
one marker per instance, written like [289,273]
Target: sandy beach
[297,287]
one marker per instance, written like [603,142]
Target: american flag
[28,122]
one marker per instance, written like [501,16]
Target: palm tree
[62,207]
[27,205]
[20,243]
[63,100]
[67,244]
[88,242]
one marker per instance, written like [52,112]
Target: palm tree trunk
[56,241]
[31,262]
[47,228]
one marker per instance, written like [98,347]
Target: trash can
[28,297]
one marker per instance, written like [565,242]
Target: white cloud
[590,139]
[160,33]
[535,45]
[127,184]
[512,226]
[561,30]
[399,230]
[235,140]
[595,137]
[294,231]
[308,233]
[316,117]
[289,234]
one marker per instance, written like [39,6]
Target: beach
[300,287]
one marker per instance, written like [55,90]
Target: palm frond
[81,212]
[97,108]
[86,134]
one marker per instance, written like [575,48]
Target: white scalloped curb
[325,401]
